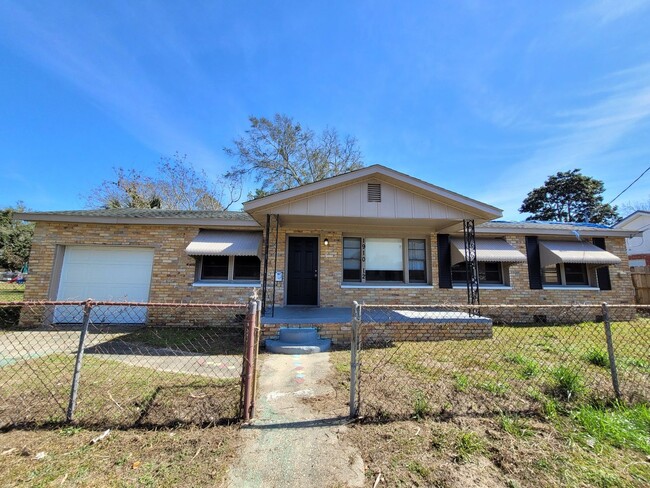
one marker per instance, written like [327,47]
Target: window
[384,260]
[566,274]
[351,259]
[489,273]
[229,268]
[389,260]
[214,268]
[246,268]
[417,261]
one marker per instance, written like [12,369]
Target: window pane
[384,254]
[351,259]
[384,260]
[489,272]
[384,275]
[551,275]
[417,261]
[214,268]
[246,268]
[576,274]
[459,272]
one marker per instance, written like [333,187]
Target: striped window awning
[555,252]
[487,250]
[225,243]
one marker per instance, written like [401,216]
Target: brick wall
[333,294]
[173,270]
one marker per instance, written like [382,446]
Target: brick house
[373,235]
[638,247]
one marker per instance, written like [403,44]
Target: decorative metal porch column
[471,264]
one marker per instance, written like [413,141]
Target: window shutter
[444,261]
[604,281]
[534,263]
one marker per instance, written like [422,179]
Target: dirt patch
[462,440]
[168,457]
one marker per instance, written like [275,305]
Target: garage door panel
[108,274]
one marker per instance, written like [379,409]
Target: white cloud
[606,11]
[585,137]
[86,52]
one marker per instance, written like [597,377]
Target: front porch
[380,323]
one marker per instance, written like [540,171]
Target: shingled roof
[143,216]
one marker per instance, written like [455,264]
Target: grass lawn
[169,457]
[11,292]
[112,393]
[532,406]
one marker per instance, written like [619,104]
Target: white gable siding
[352,201]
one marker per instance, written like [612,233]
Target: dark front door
[302,271]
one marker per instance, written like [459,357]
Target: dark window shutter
[444,261]
[534,263]
[604,281]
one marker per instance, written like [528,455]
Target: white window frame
[405,263]
[590,272]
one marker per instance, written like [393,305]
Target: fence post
[249,359]
[355,345]
[77,365]
[610,350]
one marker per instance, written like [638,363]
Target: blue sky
[483,98]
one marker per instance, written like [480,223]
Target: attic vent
[374,192]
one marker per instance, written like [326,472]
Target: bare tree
[631,207]
[176,185]
[279,154]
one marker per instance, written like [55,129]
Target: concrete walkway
[289,444]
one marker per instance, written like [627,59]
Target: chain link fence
[11,291]
[449,360]
[123,364]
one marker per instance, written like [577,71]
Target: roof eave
[559,232]
[203,222]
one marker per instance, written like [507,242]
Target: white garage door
[118,274]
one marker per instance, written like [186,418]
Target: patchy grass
[621,426]
[36,392]
[569,384]
[11,292]
[597,357]
[227,339]
[530,407]
[168,457]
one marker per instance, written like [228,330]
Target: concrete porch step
[293,340]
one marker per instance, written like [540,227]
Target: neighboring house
[638,247]
[373,235]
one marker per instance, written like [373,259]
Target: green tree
[15,238]
[569,196]
[176,185]
[280,153]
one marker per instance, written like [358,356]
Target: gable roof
[468,205]
[628,222]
